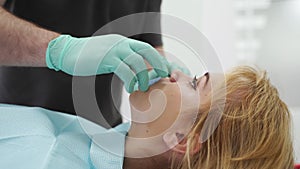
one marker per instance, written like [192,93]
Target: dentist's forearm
[22,43]
[2,2]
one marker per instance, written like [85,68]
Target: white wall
[280,51]
[214,18]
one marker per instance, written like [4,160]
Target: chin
[167,90]
[138,99]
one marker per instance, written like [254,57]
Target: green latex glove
[171,67]
[106,54]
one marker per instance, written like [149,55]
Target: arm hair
[22,43]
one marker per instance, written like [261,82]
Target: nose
[177,76]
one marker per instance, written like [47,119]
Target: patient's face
[171,102]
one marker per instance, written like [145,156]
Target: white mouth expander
[151,82]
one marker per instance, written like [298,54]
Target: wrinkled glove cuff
[55,51]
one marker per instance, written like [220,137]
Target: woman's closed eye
[194,83]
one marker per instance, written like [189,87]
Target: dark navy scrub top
[32,86]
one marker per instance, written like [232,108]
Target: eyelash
[193,83]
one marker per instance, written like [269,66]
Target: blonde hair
[254,130]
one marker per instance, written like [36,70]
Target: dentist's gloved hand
[106,54]
[153,76]
[171,67]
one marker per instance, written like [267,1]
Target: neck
[155,162]
[145,150]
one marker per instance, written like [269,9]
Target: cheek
[190,99]
[171,110]
[164,93]
[205,94]
[139,100]
[169,116]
